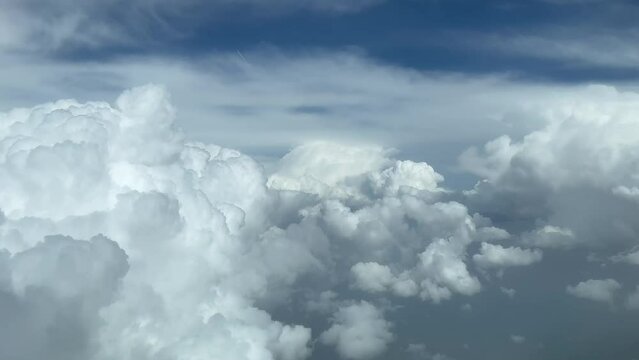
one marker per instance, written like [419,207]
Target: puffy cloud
[555,182]
[205,246]
[51,295]
[359,331]
[124,171]
[318,167]
[372,276]
[595,290]
[377,211]
[406,176]
[445,272]
[491,255]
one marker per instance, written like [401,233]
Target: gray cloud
[491,255]
[359,331]
[555,182]
[51,294]
[595,290]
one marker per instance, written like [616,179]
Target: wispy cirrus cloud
[50,27]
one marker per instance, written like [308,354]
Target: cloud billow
[145,245]
[192,245]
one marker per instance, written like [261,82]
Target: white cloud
[373,221]
[214,242]
[491,255]
[557,181]
[300,98]
[446,271]
[318,167]
[359,331]
[595,290]
[376,278]
[55,291]
[211,245]
[372,276]
[40,25]
[83,169]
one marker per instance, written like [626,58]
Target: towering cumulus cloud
[122,240]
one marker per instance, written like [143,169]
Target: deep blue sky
[454,35]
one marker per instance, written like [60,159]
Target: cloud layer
[193,245]
[114,223]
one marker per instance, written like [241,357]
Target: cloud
[206,246]
[491,255]
[384,223]
[517,339]
[39,25]
[595,290]
[225,254]
[550,237]
[554,183]
[632,301]
[220,95]
[372,276]
[558,43]
[52,293]
[630,257]
[508,291]
[359,331]
[84,169]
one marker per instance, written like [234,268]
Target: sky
[319,179]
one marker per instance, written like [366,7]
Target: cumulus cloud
[359,331]
[372,276]
[208,249]
[555,182]
[595,290]
[205,245]
[491,255]
[407,238]
[51,295]
[124,171]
